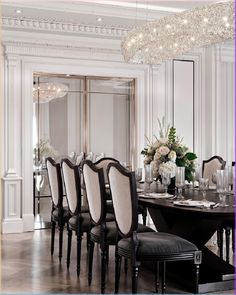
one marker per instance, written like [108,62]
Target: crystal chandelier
[46,91]
[176,34]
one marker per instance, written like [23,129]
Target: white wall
[24,55]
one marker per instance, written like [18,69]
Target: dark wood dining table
[197,225]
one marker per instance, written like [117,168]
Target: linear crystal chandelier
[176,34]
[46,91]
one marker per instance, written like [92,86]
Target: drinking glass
[203,186]
[148,176]
[222,186]
[197,174]
[180,181]
[231,178]
[165,181]
[138,175]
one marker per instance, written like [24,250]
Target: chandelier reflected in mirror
[173,35]
[46,91]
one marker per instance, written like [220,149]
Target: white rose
[167,167]
[157,155]
[164,150]
[172,156]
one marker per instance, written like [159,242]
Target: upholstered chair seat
[85,222]
[112,232]
[156,244]
[56,214]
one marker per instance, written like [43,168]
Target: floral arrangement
[167,152]
[44,149]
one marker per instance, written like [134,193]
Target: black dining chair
[156,247]
[59,214]
[103,231]
[79,221]
[103,163]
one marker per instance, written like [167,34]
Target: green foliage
[190,156]
[172,135]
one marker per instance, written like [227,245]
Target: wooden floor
[27,266]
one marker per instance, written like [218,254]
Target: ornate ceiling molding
[54,26]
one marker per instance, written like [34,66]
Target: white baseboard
[12,226]
[28,222]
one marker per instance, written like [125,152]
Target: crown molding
[60,27]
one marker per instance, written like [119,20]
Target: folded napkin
[192,203]
[156,196]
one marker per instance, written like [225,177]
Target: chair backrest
[103,163]
[95,191]
[55,181]
[90,156]
[79,158]
[72,185]
[210,166]
[99,157]
[124,198]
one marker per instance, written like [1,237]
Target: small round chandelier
[176,34]
[46,91]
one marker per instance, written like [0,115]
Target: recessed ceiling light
[67,75]
[99,19]
[18,11]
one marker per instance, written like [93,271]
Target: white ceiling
[119,14]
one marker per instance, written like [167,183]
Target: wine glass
[148,176]
[138,175]
[203,186]
[222,186]
[180,181]
[231,178]
[165,176]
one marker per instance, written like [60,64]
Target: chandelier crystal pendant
[176,34]
[46,91]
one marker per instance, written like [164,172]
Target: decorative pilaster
[12,219]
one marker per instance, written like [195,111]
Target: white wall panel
[183,100]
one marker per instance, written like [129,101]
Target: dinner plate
[192,203]
[156,196]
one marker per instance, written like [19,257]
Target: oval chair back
[103,163]
[55,182]
[95,191]
[124,198]
[72,186]
[210,166]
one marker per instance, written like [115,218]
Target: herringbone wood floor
[27,267]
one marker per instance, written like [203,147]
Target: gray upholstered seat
[156,243]
[66,214]
[112,232]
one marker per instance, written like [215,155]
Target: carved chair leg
[135,270]
[61,227]
[79,239]
[103,271]
[227,237]
[69,232]
[163,276]
[196,278]
[90,264]
[107,250]
[117,271]
[126,265]
[88,240]
[157,281]
[53,226]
